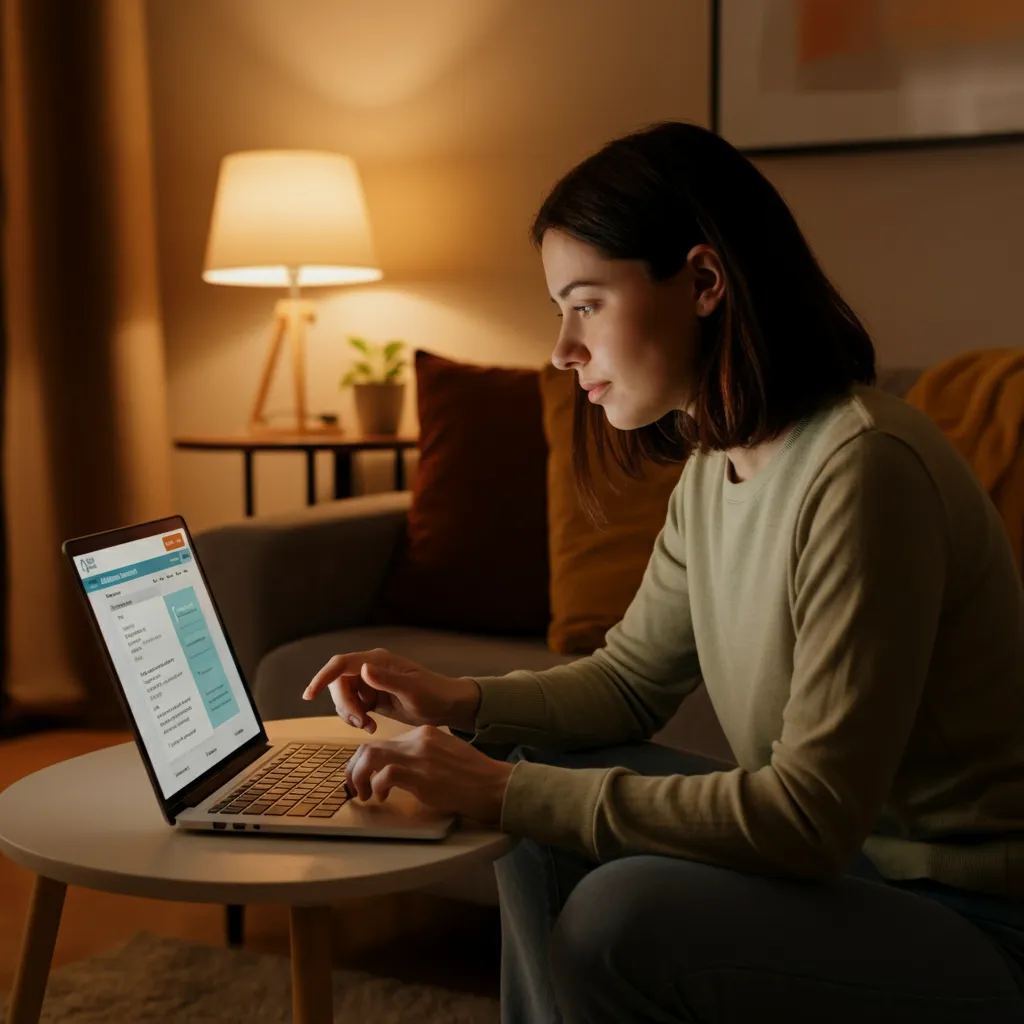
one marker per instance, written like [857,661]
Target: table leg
[248,482]
[234,924]
[310,476]
[312,995]
[36,951]
[399,469]
[342,473]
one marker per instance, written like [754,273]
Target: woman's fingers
[350,708]
[388,777]
[371,759]
[339,665]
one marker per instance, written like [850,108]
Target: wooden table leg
[312,998]
[36,951]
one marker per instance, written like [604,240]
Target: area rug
[156,978]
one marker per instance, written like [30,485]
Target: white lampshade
[281,210]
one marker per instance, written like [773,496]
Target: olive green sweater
[857,617]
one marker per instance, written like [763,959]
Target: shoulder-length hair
[780,344]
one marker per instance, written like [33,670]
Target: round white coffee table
[94,821]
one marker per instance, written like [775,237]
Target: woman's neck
[745,463]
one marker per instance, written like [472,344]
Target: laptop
[191,711]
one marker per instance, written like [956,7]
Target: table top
[94,821]
[276,440]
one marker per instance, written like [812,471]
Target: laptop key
[276,811]
[323,812]
[301,810]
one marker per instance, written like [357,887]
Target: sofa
[295,589]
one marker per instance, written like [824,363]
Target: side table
[342,444]
[94,821]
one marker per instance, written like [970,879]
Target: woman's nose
[568,354]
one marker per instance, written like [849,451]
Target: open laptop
[200,736]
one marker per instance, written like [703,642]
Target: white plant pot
[379,407]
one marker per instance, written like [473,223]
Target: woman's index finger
[339,665]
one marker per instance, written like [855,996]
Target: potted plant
[374,379]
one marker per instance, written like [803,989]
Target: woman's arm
[871,549]
[624,691]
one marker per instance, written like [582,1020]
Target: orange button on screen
[175,540]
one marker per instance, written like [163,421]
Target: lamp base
[290,318]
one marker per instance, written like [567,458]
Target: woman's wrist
[465,704]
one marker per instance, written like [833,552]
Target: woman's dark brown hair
[780,344]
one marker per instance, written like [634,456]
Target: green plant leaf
[360,344]
[364,368]
[391,349]
[393,372]
[348,380]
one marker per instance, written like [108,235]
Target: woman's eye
[579,309]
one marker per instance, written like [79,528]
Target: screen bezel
[211,779]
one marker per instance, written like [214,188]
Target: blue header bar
[130,572]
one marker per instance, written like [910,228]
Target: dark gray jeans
[651,938]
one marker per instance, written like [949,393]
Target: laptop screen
[180,680]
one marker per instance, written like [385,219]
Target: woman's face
[632,341]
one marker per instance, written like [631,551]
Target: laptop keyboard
[306,780]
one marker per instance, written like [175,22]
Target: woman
[835,573]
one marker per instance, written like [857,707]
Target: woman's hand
[380,681]
[444,772]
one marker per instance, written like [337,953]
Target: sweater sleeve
[868,570]
[624,691]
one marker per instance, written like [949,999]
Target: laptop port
[220,824]
[256,827]
[238,828]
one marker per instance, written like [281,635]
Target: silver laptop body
[191,711]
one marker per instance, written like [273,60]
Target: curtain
[86,440]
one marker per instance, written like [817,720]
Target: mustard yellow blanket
[977,398]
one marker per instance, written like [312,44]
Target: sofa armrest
[280,578]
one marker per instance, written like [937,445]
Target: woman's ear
[708,278]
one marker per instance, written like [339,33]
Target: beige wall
[460,114]
[925,244]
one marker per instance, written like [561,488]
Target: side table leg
[248,482]
[36,951]
[234,924]
[342,473]
[312,998]
[399,469]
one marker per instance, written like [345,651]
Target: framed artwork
[812,75]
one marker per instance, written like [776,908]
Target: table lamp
[289,219]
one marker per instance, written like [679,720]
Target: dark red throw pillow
[475,555]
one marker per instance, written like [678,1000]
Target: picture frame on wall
[793,76]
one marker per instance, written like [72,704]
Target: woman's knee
[608,930]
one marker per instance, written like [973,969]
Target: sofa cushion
[474,557]
[595,571]
[283,674]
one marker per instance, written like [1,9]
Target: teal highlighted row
[131,572]
[196,642]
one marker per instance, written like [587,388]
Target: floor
[413,936]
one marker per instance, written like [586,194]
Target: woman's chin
[628,418]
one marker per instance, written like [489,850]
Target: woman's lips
[595,393]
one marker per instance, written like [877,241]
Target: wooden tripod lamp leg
[297,337]
[280,324]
